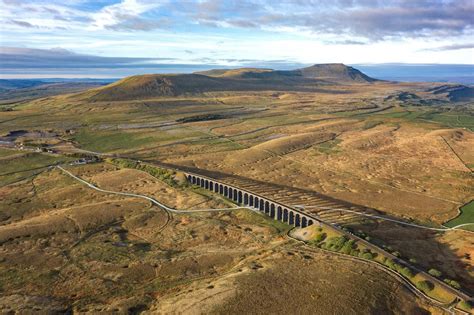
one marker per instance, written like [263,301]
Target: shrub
[335,243]
[320,237]
[412,260]
[163,174]
[425,285]
[347,247]
[367,255]
[465,305]
[453,283]
[435,272]
[355,252]
[405,271]
[389,263]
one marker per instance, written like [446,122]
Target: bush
[405,271]
[465,305]
[425,285]
[348,247]
[355,252]
[335,243]
[389,263]
[367,255]
[163,174]
[453,283]
[320,237]
[435,272]
[412,260]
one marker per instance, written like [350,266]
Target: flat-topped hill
[243,79]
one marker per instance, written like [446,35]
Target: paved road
[152,200]
[369,245]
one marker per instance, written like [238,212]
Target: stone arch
[279,213]
[297,220]
[211,186]
[262,205]
[226,191]
[206,184]
[246,199]
[285,215]
[216,187]
[251,200]
[256,203]
[304,222]
[291,219]
[236,195]
[310,222]
[198,181]
[239,197]
[203,182]
[272,210]
[194,180]
[221,189]
[267,207]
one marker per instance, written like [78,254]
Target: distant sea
[463,74]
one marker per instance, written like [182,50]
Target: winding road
[152,200]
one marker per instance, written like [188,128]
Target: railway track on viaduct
[294,206]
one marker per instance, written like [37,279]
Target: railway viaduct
[291,216]
[243,197]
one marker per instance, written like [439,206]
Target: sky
[123,37]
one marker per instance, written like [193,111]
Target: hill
[156,85]
[333,72]
[336,72]
[455,93]
[243,79]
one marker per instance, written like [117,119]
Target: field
[466,216]
[87,251]
[68,247]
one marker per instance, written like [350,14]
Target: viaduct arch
[246,198]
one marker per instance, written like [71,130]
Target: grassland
[347,142]
[466,215]
[15,167]
[120,254]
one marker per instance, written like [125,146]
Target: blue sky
[241,32]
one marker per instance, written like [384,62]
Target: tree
[435,272]
[368,256]
[425,285]
[453,283]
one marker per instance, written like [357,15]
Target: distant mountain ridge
[335,72]
[243,79]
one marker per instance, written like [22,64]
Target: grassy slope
[21,167]
[466,216]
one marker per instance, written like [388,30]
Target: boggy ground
[75,249]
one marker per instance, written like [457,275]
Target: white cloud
[116,14]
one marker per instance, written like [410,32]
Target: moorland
[404,151]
